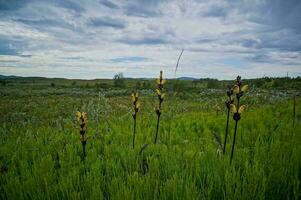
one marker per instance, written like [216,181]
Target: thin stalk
[158,122]
[235,130]
[226,135]
[84,151]
[134,134]
[232,150]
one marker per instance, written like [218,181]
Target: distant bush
[138,85]
[3,82]
[102,85]
[119,80]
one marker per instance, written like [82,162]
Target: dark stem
[158,122]
[84,151]
[232,150]
[134,133]
[226,135]
[235,130]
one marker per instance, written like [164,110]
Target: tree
[119,80]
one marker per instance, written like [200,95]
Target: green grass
[40,150]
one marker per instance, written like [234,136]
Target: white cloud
[221,39]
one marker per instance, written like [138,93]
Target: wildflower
[82,120]
[237,109]
[230,101]
[161,95]
[136,105]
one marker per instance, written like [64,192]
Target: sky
[90,39]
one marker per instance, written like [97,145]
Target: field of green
[40,147]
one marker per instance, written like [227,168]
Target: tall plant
[136,105]
[230,101]
[82,120]
[160,94]
[237,109]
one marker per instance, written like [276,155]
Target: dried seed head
[238,81]
[242,108]
[136,104]
[135,97]
[161,81]
[244,88]
[236,89]
[236,116]
[82,120]
[84,138]
[229,91]
[233,108]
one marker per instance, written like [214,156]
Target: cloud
[128,59]
[12,4]
[12,46]
[107,22]
[143,41]
[70,5]
[109,4]
[215,11]
[141,37]
[144,8]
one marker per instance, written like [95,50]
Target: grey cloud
[109,4]
[143,41]
[107,22]
[71,5]
[144,8]
[11,5]
[250,30]
[44,24]
[11,46]
[215,11]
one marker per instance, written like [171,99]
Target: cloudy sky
[98,38]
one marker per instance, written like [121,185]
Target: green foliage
[119,80]
[40,150]
[3,82]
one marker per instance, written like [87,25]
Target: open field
[40,150]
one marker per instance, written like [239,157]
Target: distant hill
[7,77]
[186,78]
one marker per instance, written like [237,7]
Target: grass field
[40,150]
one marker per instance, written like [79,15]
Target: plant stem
[134,133]
[226,135]
[235,130]
[84,151]
[232,150]
[158,122]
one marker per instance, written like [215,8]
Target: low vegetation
[41,156]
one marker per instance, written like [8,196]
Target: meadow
[41,153]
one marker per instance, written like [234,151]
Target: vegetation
[161,94]
[136,105]
[41,156]
[82,120]
[228,105]
[119,80]
[239,91]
